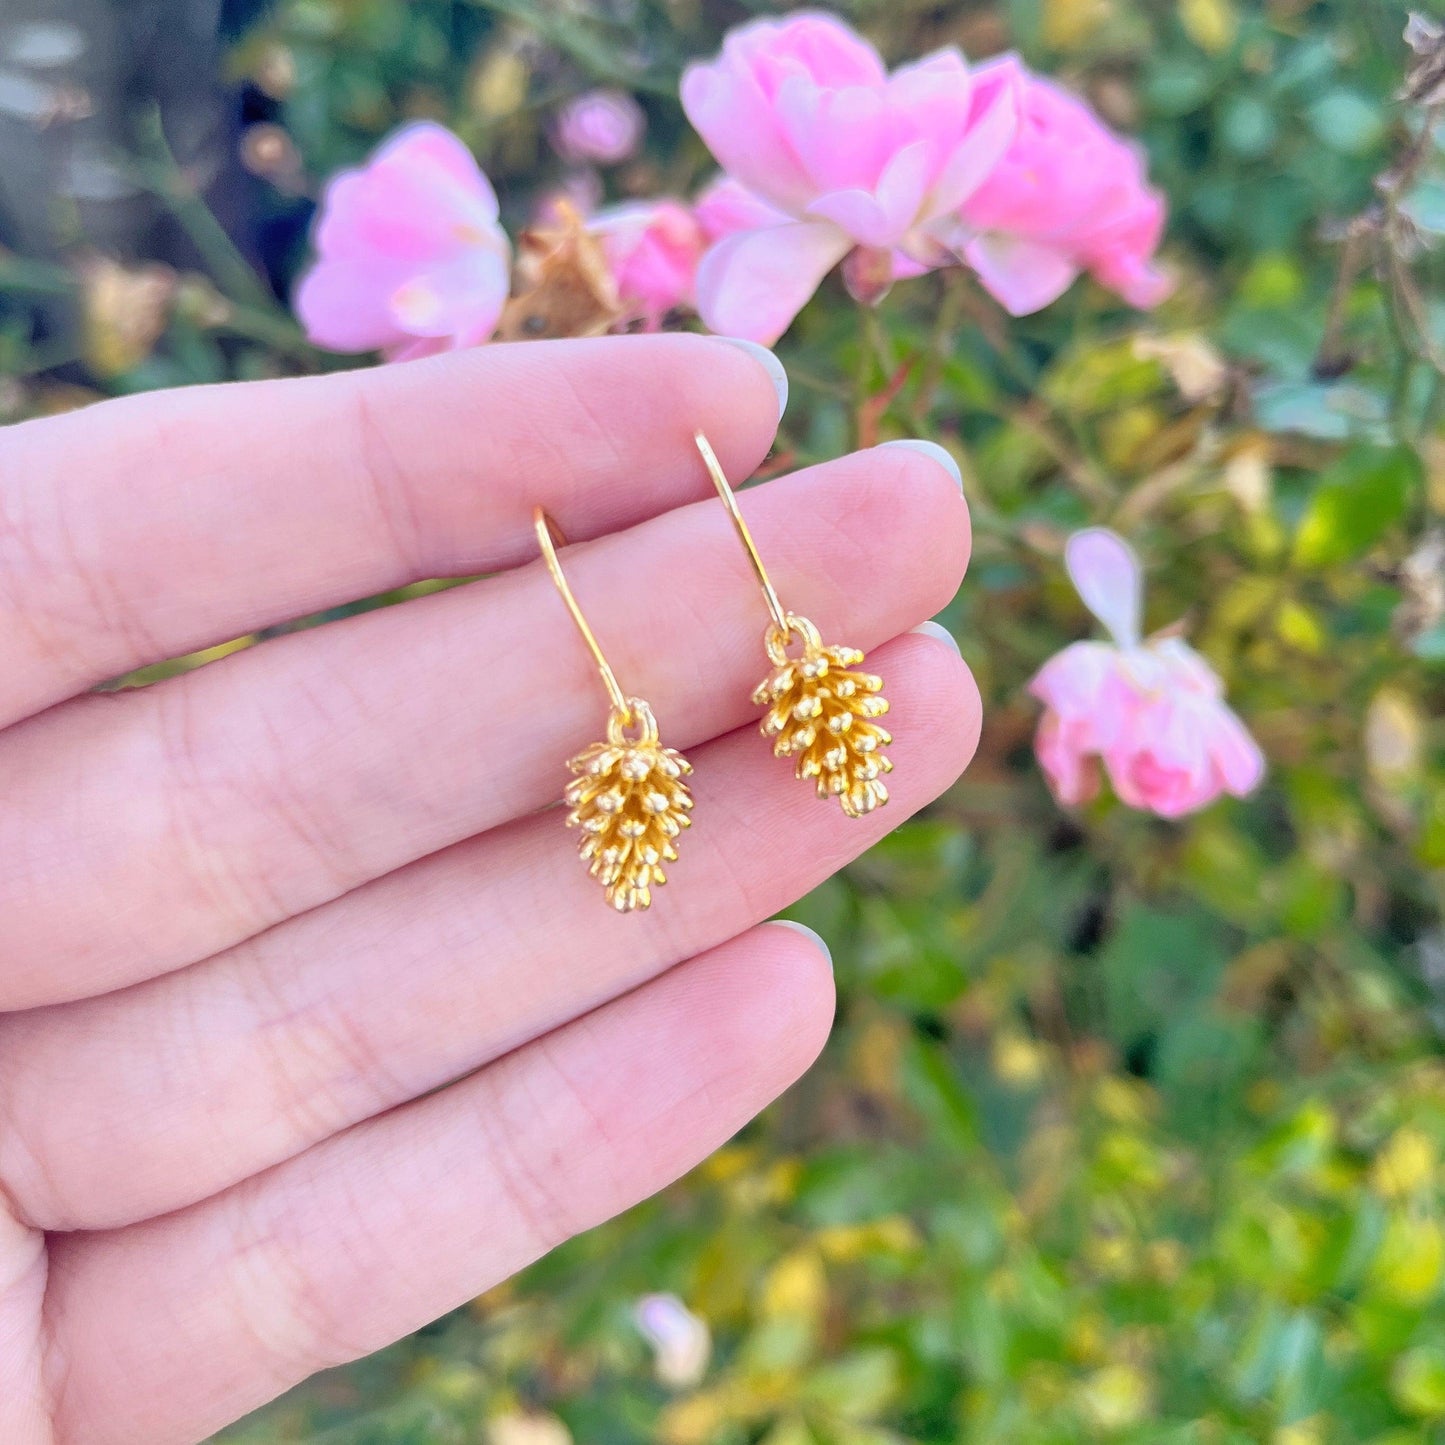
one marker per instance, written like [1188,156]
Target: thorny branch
[1385,233]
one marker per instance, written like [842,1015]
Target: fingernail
[807,933]
[932,449]
[770,364]
[940,633]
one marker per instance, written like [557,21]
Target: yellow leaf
[499,84]
[1113,1255]
[1125,1101]
[1394,737]
[1018,1060]
[1087,1338]
[1069,24]
[795,1286]
[731,1161]
[876,1056]
[1166,1259]
[1418,1381]
[1116,1397]
[1244,601]
[1133,1160]
[1411,1260]
[1300,627]
[844,1243]
[695,1420]
[1405,1165]
[1211,24]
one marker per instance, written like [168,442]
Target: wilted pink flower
[1152,709]
[605,126]
[1068,196]
[802,113]
[652,249]
[681,1342]
[411,259]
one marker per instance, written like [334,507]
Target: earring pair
[628,794]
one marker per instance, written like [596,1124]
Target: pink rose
[802,113]
[726,206]
[411,260]
[605,126]
[652,249]
[1152,710]
[1068,196]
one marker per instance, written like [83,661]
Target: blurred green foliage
[1128,1130]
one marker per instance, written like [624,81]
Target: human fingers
[140,529]
[167,1330]
[110,1105]
[145,831]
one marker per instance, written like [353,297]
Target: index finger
[145,528]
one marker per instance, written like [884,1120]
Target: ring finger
[144,831]
[418,978]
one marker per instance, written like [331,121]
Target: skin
[312,1026]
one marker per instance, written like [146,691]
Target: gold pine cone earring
[627,794]
[821,710]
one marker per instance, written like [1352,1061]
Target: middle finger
[418,978]
[144,831]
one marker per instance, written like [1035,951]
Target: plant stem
[1056,430]
[269,328]
[949,309]
[871,360]
[23,277]
[156,169]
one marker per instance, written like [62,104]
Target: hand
[258,915]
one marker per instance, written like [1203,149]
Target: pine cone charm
[823,713]
[631,803]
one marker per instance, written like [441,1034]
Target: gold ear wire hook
[549,539]
[821,711]
[730,501]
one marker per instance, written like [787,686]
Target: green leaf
[1248,126]
[1156,967]
[1329,412]
[1346,122]
[1429,646]
[1425,205]
[938,1093]
[1419,1382]
[1177,86]
[858,1385]
[1355,502]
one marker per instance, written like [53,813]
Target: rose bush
[1131,1126]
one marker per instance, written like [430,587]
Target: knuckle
[532,1181]
[283,849]
[195,796]
[283,1305]
[320,1064]
[384,481]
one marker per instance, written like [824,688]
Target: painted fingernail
[939,633]
[769,363]
[932,449]
[807,933]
